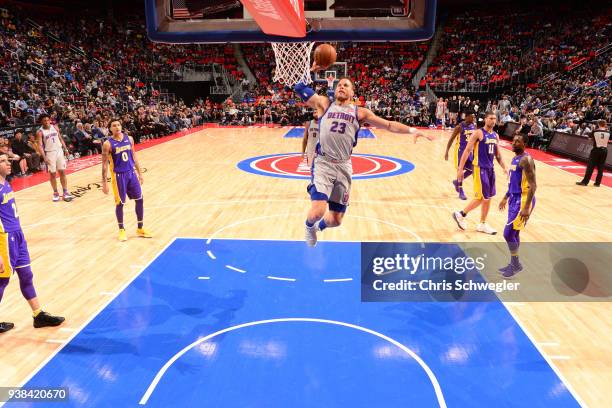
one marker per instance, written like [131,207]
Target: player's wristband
[304,91]
[330,94]
[507,194]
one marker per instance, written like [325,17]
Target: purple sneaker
[456,184]
[511,270]
[462,194]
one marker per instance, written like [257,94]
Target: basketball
[325,55]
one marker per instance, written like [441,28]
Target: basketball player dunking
[464,131]
[521,201]
[339,123]
[126,176]
[14,255]
[483,144]
[310,139]
[52,148]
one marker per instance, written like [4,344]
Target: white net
[292,62]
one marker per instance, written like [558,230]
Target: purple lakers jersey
[518,181]
[465,134]
[9,220]
[121,158]
[485,150]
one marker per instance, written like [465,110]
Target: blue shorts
[126,184]
[484,183]
[515,203]
[14,252]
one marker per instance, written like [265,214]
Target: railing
[167,77]
[475,87]
[37,67]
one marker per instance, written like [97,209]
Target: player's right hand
[315,67]
[502,204]
[105,188]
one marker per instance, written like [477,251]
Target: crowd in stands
[84,73]
[381,74]
[571,102]
[87,71]
[515,45]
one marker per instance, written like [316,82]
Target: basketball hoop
[292,62]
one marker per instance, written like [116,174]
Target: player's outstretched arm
[451,139]
[367,116]
[105,151]
[469,148]
[136,162]
[310,98]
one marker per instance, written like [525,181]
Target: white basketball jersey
[50,138]
[313,137]
[338,130]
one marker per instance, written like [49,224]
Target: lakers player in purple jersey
[126,176]
[520,199]
[339,123]
[483,145]
[14,255]
[461,135]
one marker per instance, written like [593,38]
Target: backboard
[226,21]
[337,70]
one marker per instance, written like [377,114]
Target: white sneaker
[311,235]
[486,228]
[460,219]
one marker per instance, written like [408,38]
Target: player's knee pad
[26,282]
[512,237]
[509,233]
[3,284]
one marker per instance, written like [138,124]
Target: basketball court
[227,295]
[228,306]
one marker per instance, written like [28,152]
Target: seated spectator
[536,132]
[84,144]
[584,129]
[95,143]
[17,168]
[20,147]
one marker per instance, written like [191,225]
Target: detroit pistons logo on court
[291,165]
